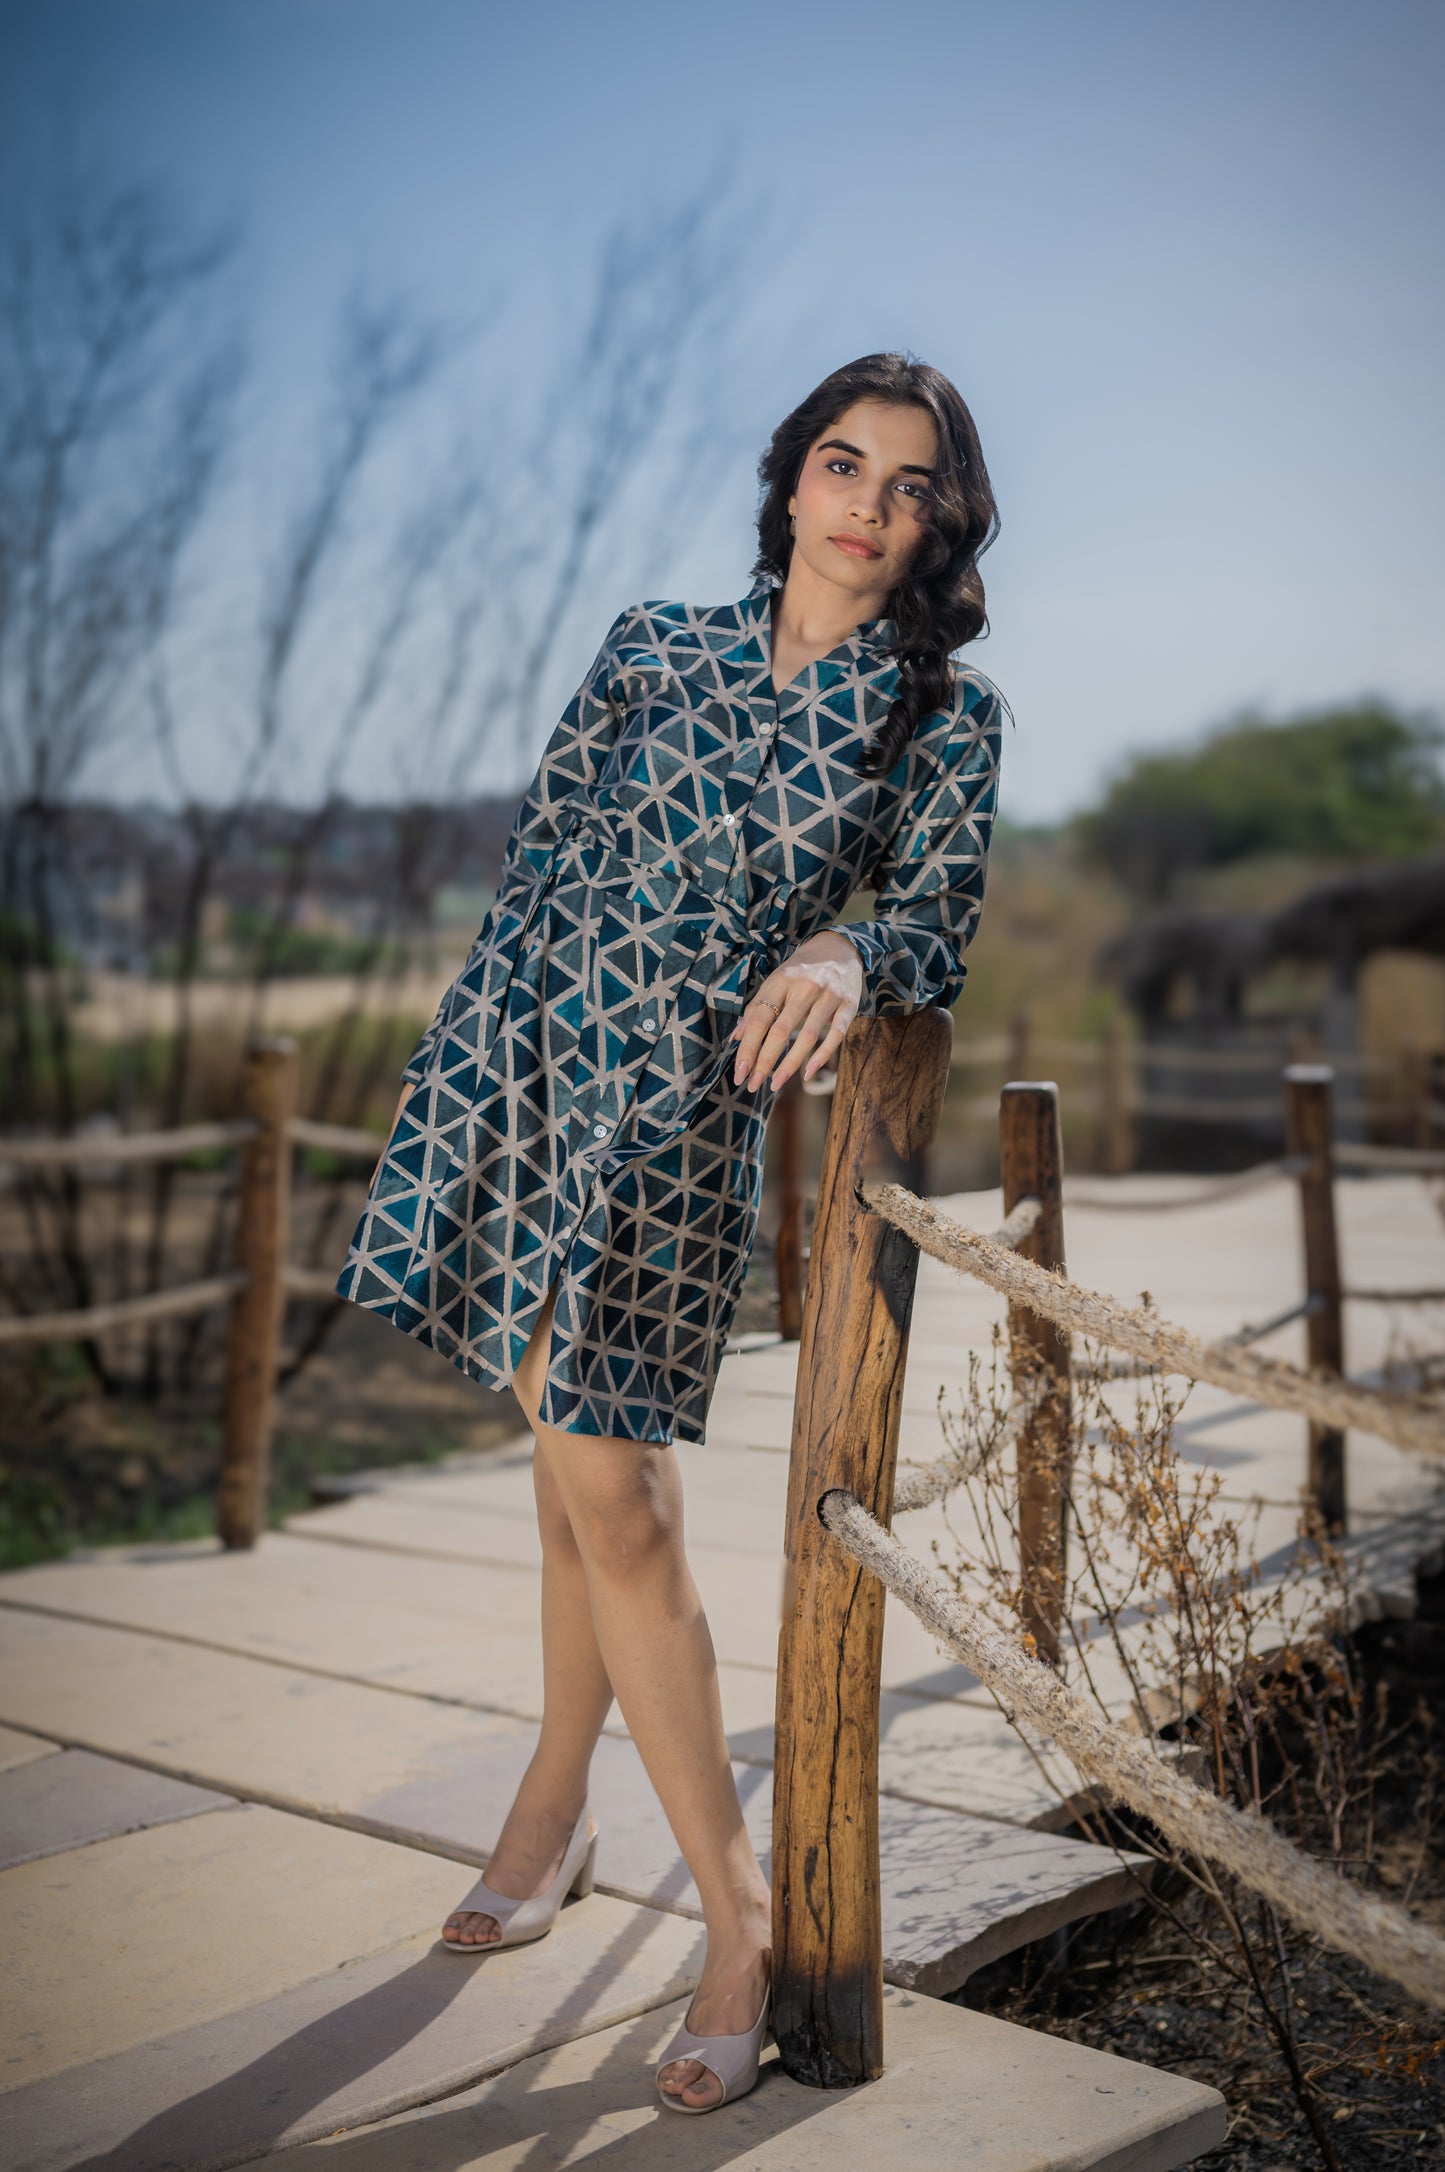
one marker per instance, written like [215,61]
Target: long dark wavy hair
[938,605]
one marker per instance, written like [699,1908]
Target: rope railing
[259,1282]
[919,1485]
[1395,1297]
[1020,1224]
[1408,1422]
[180,1303]
[1241,1339]
[1405,1160]
[336,1138]
[1318,1899]
[1164,1055]
[845,1484]
[1200,1195]
[125,1146]
[1195,1109]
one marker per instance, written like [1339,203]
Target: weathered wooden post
[827,1908]
[1309,1131]
[254,1337]
[1116,1097]
[786,1123]
[1425,1073]
[1032,1157]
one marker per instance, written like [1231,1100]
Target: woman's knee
[623,1501]
[553,1521]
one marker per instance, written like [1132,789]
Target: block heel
[586,1877]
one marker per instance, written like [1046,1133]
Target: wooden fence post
[1425,1075]
[1031,1154]
[1116,1091]
[787,1122]
[1309,1130]
[827,1908]
[254,1336]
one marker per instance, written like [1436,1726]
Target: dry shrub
[1174,1627]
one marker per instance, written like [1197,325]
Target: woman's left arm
[909,955]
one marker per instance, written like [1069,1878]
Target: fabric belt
[588,840]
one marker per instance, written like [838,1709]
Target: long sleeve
[570,761]
[930,880]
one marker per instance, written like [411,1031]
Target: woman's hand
[819,989]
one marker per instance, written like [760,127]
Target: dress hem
[487,1376]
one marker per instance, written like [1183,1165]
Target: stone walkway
[236,1793]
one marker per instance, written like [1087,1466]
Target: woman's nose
[868,503]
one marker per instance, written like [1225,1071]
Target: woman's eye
[846,465]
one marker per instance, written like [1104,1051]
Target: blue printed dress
[572,1114]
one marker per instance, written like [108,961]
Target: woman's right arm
[570,762]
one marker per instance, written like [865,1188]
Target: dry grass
[1331,1734]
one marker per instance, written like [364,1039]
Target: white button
[767,728]
[599,1131]
[729,820]
[647,1025]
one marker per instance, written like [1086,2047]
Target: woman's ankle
[737,1936]
[556,1797]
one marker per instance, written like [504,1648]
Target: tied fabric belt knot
[714,923]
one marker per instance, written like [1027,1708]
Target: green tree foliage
[1338,784]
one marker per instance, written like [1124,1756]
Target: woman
[569,1195]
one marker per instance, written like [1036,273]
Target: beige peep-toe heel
[734,2059]
[522,1920]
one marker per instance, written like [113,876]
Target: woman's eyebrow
[858,454]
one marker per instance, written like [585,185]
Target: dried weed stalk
[1202,1621]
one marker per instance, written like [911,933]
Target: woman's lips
[855,546]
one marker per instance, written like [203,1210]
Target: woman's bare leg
[621,1611]
[624,1503]
[576,1695]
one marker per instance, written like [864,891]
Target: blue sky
[1183,261]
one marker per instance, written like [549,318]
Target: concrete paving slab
[442,1628]
[132,1938]
[399,2027]
[733,1499]
[960,2089]
[19,1749]
[931,1755]
[442,1779]
[957,1890]
[74,1798]
[428,1627]
[741,1501]
[957,1757]
[403,1523]
[262,1732]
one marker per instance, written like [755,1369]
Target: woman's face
[862,496]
